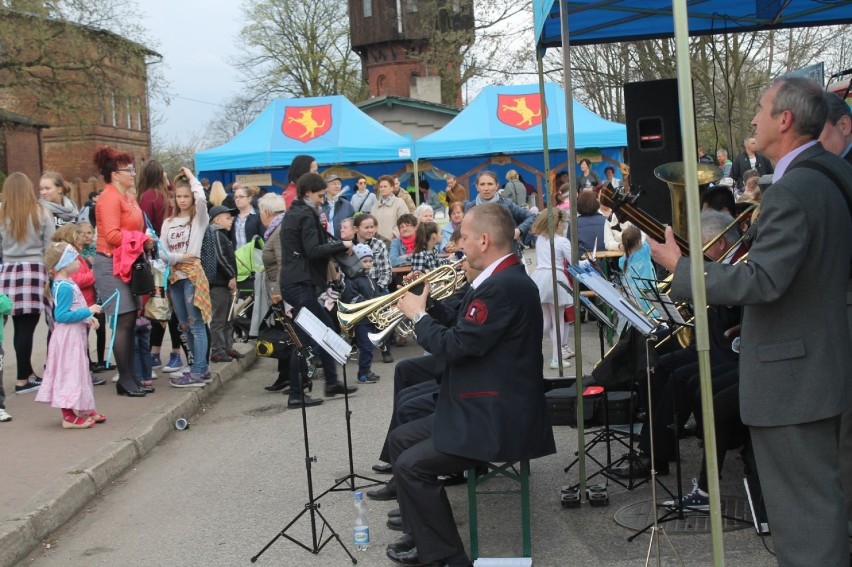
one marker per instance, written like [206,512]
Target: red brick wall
[22,152]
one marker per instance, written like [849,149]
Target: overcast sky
[197,39]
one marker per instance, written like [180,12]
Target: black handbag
[349,264]
[141,277]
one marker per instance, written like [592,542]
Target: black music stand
[312,507]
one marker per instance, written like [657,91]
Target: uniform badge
[477,312]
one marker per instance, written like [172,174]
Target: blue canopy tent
[331,129]
[563,23]
[502,129]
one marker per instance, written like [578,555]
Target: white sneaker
[115,378]
[554,364]
[567,353]
[4,416]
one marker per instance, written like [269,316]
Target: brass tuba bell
[673,175]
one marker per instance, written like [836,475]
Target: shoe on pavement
[567,353]
[410,558]
[234,353]
[190,380]
[368,378]
[404,543]
[4,416]
[554,364]
[386,356]
[115,378]
[207,377]
[174,364]
[156,362]
[383,468]
[395,523]
[387,492]
[394,513]
[297,402]
[337,388]
[96,381]
[31,386]
[695,500]
[641,468]
[220,357]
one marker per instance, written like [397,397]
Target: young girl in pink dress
[67,383]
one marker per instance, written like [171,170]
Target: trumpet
[383,311]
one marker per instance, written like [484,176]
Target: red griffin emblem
[520,111]
[304,123]
[477,312]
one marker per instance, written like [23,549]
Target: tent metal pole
[416,185]
[551,229]
[696,259]
[575,246]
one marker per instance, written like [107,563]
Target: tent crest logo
[520,111]
[304,123]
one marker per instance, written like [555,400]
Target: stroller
[251,288]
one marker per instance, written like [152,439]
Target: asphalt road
[216,493]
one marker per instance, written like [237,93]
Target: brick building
[87,86]
[20,144]
[394,41]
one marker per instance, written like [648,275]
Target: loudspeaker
[755,503]
[653,138]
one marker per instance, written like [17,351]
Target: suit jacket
[491,405]
[795,360]
[742,164]
[342,210]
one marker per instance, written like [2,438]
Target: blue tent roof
[331,129]
[603,21]
[508,120]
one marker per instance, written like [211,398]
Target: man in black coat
[493,374]
[749,159]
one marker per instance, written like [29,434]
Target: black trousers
[423,503]
[730,431]
[407,373]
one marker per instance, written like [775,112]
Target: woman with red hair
[118,211]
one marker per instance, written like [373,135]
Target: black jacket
[226,262]
[742,164]
[253,228]
[359,289]
[493,371]
[305,247]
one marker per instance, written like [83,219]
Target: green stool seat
[475,487]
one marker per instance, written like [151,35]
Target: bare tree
[176,154]
[298,49]
[233,119]
[60,63]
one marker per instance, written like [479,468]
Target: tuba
[383,311]
[673,175]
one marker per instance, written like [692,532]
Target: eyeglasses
[240,196]
[130,170]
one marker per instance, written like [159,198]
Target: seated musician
[493,373]
[669,389]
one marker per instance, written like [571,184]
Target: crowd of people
[783,394]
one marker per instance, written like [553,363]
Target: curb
[62,499]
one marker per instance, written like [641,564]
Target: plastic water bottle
[361,532]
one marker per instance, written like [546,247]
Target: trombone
[383,311]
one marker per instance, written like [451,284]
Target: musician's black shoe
[337,388]
[395,523]
[641,468]
[387,492]
[394,513]
[410,558]
[404,543]
[383,468]
[453,479]
[297,402]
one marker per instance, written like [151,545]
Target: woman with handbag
[305,254]
[118,212]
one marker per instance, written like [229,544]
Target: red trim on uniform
[485,394]
[510,260]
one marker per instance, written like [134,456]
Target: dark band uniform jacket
[491,405]
[795,361]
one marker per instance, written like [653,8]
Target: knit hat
[362,251]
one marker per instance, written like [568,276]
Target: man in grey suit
[795,360]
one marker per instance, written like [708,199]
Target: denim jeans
[302,296]
[365,347]
[2,391]
[182,293]
[142,362]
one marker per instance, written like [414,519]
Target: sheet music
[324,336]
[607,292]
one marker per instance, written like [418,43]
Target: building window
[456,6]
[138,113]
[368,8]
[412,79]
[129,114]
[114,106]
[381,84]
